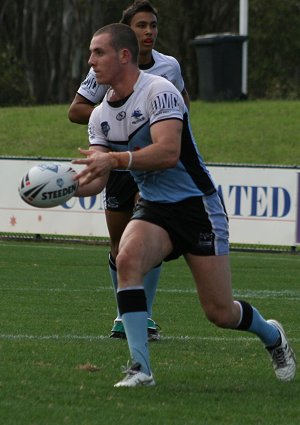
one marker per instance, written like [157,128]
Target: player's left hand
[98,164]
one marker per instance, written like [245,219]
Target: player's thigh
[148,243]
[116,223]
[212,277]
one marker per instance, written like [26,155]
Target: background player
[121,190]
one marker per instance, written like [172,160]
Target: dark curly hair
[136,7]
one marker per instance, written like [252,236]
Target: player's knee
[221,317]
[125,263]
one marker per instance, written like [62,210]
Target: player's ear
[124,56]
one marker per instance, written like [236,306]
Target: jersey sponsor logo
[165,102]
[90,84]
[137,116]
[121,115]
[105,128]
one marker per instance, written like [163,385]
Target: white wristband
[130,160]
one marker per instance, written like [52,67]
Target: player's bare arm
[163,153]
[165,149]
[80,110]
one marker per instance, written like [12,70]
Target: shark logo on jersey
[165,102]
[105,128]
[136,113]
[137,116]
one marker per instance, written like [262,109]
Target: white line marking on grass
[106,337]
[249,293]
[262,294]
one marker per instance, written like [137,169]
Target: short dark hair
[122,37]
[136,7]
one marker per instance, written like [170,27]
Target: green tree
[274,48]
[14,89]
[45,43]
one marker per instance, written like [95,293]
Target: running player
[179,211]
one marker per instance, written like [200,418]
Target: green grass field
[56,311]
[250,132]
[57,363]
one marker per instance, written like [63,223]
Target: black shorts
[197,225]
[120,191]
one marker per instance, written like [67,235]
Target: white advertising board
[262,205]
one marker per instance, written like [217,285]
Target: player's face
[144,24]
[103,59]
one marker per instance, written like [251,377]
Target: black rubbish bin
[219,59]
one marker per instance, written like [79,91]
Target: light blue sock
[150,287]
[135,324]
[114,280]
[267,332]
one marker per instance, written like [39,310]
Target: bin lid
[218,38]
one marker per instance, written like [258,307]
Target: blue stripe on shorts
[219,222]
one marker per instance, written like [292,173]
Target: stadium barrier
[262,202]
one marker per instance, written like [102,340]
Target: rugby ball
[48,185]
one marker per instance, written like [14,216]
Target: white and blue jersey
[127,127]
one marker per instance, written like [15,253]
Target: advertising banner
[262,205]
